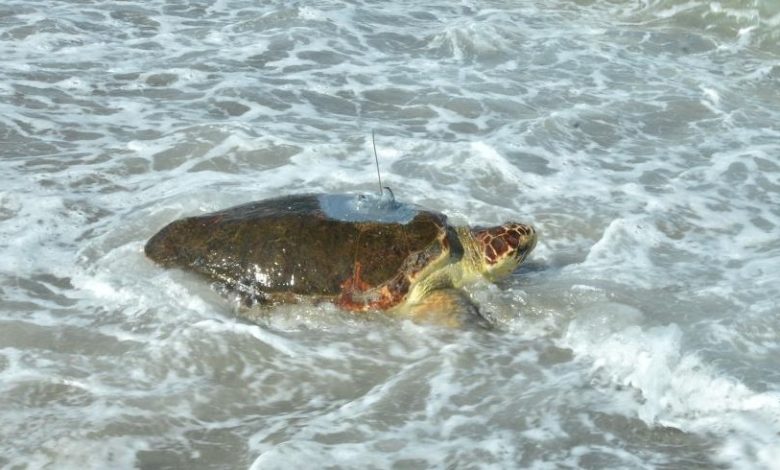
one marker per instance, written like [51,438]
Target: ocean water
[640,137]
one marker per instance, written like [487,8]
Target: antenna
[376,159]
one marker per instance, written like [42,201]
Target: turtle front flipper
[359,296]
[443,307]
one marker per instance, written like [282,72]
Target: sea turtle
[360,252]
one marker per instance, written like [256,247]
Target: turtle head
[503,247]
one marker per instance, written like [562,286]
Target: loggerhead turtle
[357,251]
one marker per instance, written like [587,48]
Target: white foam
[675,387]
[638,138]
[69,452]
[275,341]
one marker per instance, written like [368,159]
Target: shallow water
[640,138]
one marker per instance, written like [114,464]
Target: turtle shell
[327,245]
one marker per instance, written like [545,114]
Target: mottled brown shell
[289,245]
